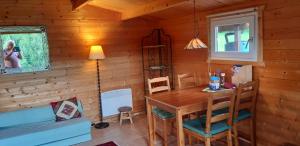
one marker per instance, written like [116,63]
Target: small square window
[234,37]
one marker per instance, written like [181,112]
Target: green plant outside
[221,41]
[34,49]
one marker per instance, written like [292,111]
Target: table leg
[180,134]
[150,124]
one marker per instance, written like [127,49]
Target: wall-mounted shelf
[154,46]
[157,56]
[156,68]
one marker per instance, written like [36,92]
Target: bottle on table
[222,79]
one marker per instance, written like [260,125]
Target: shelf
[154,46]
[157,56]
[156,68]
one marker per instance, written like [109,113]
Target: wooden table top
[181,98]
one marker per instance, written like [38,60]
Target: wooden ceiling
[161,9]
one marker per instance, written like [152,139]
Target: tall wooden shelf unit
[157,56]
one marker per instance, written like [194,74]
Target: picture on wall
[24,49]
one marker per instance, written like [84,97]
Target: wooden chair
[213,126]
[186,80]
[160,114]
[245,109]
[159,88]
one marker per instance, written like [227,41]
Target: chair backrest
[159,84]
[246,97]
[186,80]
[222,100]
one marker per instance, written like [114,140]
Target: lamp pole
[101,124]
[99,89]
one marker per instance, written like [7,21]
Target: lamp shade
[96,52]
[195,43]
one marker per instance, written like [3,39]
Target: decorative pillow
[66,109]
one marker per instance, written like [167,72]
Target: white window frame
[236,17]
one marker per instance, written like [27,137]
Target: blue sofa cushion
[70,141]
[44,132]
[26,116]
[162,113]
[198,126]
[30,115]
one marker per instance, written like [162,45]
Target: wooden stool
[125,114]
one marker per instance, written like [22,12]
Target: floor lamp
[96,53]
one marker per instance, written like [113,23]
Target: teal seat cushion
[162,113]
[243,114]
[220,111]
[198,126]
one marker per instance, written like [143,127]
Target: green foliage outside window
[34,49]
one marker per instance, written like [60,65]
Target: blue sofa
[37,127]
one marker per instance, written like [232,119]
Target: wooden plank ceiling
[160,9]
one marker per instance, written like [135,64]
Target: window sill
[232,62]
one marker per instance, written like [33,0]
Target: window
[234,36]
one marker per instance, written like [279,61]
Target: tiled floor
[128,135]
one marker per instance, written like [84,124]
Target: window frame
[232,18]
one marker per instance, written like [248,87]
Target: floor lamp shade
[96,52]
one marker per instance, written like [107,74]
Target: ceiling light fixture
[195,43]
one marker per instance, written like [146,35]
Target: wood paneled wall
[70,35]
[278,112]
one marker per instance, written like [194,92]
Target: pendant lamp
[195,43]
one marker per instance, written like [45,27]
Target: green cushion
[198,126]
[243,114]
[220,111]
[162,113]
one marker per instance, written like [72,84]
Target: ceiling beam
[76,4]
[112,5]
[109,7]
[154,6]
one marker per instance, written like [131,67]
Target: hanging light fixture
[195,43]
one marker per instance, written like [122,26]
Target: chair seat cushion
[198,126]
[220,111]
[243,114]
[163,114]
[125,109]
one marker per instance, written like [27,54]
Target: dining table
[180,102]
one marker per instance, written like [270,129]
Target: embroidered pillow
[66,109]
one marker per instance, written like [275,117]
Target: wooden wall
[70,35]
[278,110]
